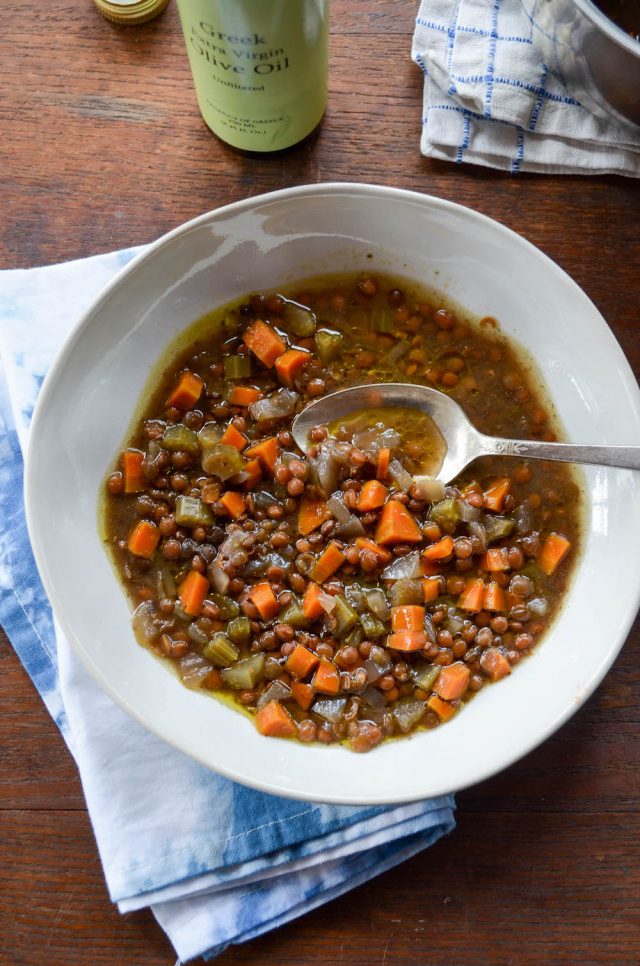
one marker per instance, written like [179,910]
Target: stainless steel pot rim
[604,23]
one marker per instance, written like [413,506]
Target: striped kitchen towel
[217,863]
[489,98]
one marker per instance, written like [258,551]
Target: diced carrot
[303,694]
[264,599]
[232,437]
[274,721]
[452,681]
[311,606]
[431,568]
[290,364]
[186,391]
[264,342]
[382,469]
[267,452]
[441,708]
[372,495]
[134,478]
[311,515]
[494,663]
[327,678]
[553,552]
[495,559]
[396,525]
[472,596]
[407,640]
[493,597]
[192,592]
[144,539]
[363,543]
[407,617]
[439,550]
[234,503]
[244,395]
[432,587]
[327,563]
[301,661]
[494,496]
[254,469]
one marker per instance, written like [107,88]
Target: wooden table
[103,147]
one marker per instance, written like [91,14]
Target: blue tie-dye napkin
[217,862]
[490,99]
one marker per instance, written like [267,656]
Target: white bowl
[89,395]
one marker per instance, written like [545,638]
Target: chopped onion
[326,601]
[144,623]
[477,530]
[336,505]
[454,622]
[400,476]
[406,591]
[278,405]
[324,469]
[352,528]
[330,709]
[428,488]
[429,629]
[264,499]
[217,576]
[377,603]
[399,350]
[375,705]
[403,567]
[377,664]
[408,712]
[193,669]
[523,519]
[277,691]
[468,513]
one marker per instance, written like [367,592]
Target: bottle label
[259,68]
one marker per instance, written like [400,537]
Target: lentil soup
[342,595]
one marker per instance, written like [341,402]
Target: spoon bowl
[464,443]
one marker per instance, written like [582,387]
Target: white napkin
[490,99]
[216,862]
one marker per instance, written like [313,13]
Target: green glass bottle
[259,67]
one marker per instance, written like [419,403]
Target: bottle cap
[130,11]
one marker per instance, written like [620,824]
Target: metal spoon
[464,442]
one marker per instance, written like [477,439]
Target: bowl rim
[608,26]
[51,381]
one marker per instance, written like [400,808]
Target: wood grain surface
[102,146]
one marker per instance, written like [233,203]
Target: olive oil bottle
[259,68]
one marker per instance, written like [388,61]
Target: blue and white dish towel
[490,99]
[217,862]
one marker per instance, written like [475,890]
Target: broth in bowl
[341,595]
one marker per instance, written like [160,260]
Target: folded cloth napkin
[217,862]
[490,99]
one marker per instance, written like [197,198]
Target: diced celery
[345,616]
[228,607]
[237,367]
[328,343]
[222,461]
[209,435]
[354,637]
[239,630]
[244,675]
[192,512]
[372,628]
[446,514]
[293,614]
[382,321]
[220,651]
[298,319]
[425,675]
[497,527]
[178,437]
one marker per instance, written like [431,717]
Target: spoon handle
[625,456]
